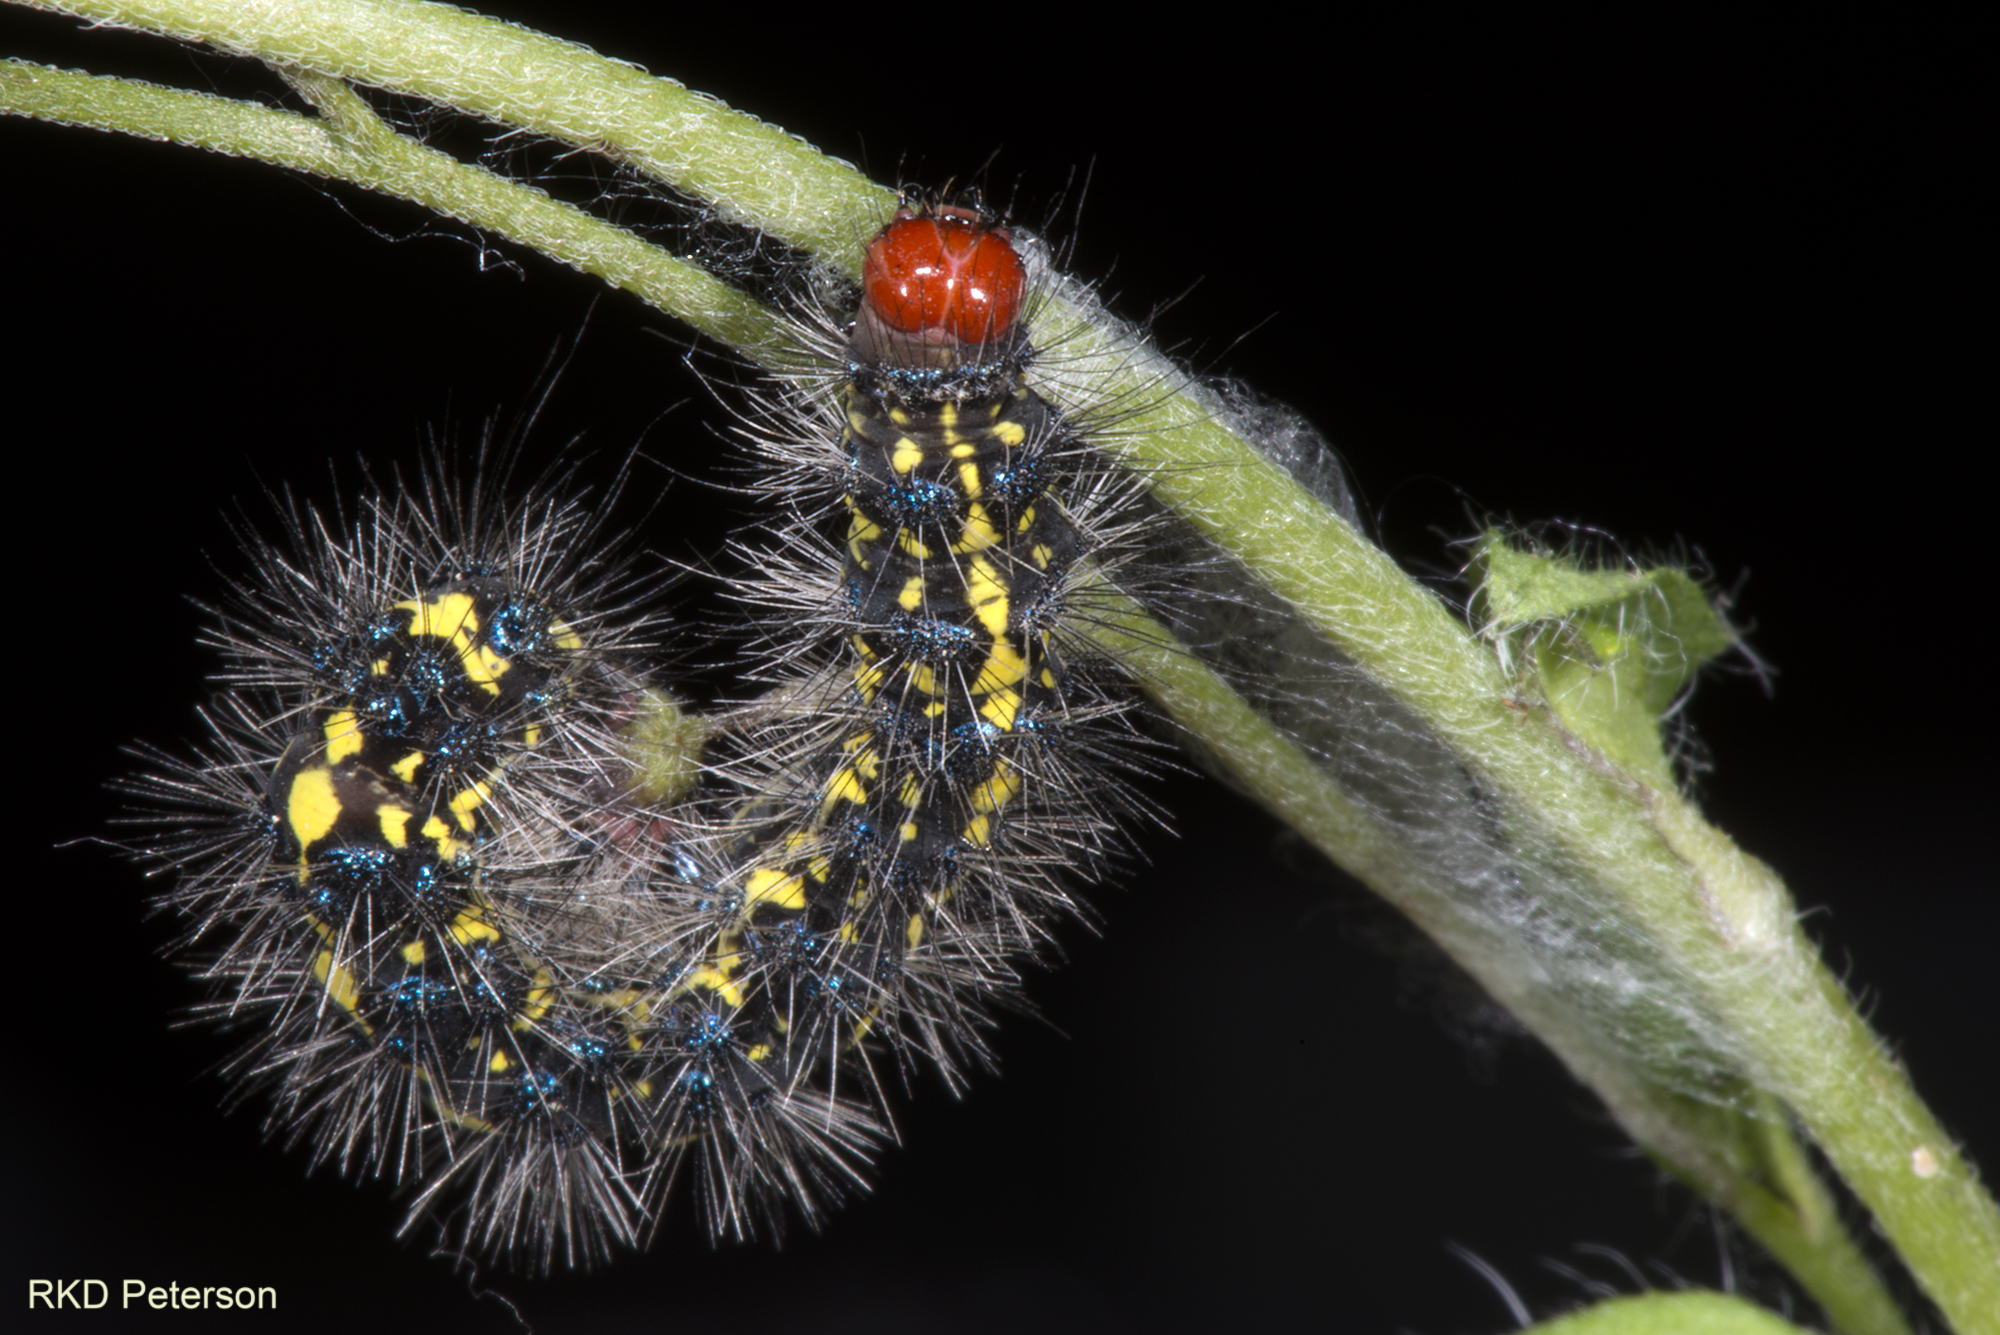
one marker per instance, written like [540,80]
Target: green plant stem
[349,142]
[1707,916]
[1794,1218]
[1716,910]
[558,89]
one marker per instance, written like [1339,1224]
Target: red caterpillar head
[939,288]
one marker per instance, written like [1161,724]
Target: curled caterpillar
[506,937]
[438,857]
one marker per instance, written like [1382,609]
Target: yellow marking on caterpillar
[969,482]
[935,708]
[906,456]
[541,996]
[440,834]
[453,617]
[900,416]
[531,735]
[449,617]
[499,1063]
[341,986]
[948,420]
[1001,708]
[978,533]
[965,451]
[908,832]
[845,786]
[979,831]
[343,736]
[312,807]
[406,768]
[986,590]
[482,665]
[1011,434]
[566,638]
[1049,678]
[379,668]
[1042,554]
[729,953]
[868,764]
[759,1052]
[468,802]
[770,885]
[459,1119]
[909,544]
[865,1024]
[1000,788]
[912,595]
[924,679]
[413,952]
[911,794]
[915,934]
[394,822]
[469,927]
[868,679]
[859,526]
[722,964]
[1027,521]
[718,982]
[1005,666]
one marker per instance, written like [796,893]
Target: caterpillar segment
[443,856]
[553,1084]
[548,1077]
[900,905]
[418,1019]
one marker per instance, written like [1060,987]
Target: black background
[1697,284]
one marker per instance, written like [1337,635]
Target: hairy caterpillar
[492,952]
[450,891]
[963,762]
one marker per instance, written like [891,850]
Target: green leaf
[1669,1314]
[1608,650]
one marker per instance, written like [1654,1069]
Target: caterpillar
[452,893]
[952,719]
[500,944]
[907,794]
